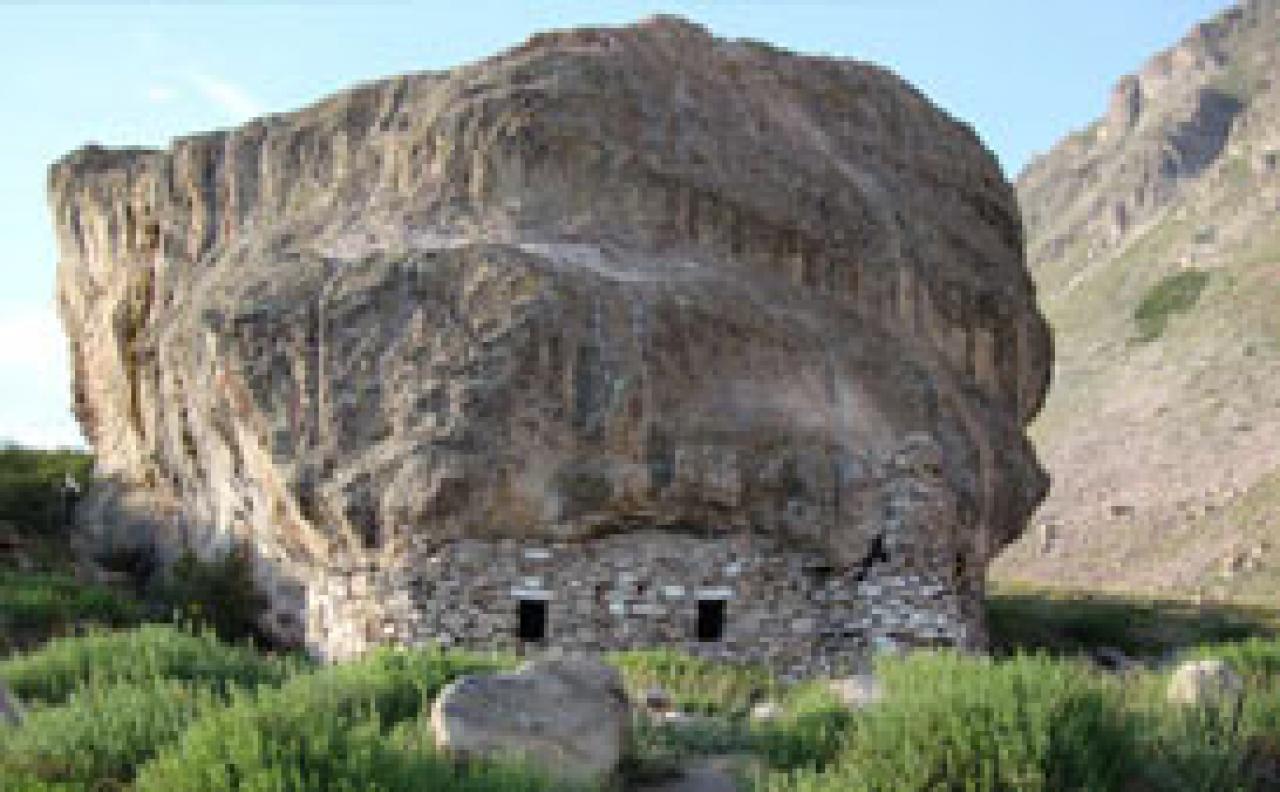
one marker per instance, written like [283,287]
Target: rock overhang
[616,276]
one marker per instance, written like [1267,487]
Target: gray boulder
[10,714]
[567,716]
[766,711]
[1209,682]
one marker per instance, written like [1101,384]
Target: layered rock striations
[613,282]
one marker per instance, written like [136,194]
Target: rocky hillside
[1154,238]
[611,278]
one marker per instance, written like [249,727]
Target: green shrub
[811,732]
[30,484]
[317,731]
[954,723]
[1173,294]
[221,594]
[1256,659]
[695,684]
[50,674]
[306,752]
[102,733]
[50,601]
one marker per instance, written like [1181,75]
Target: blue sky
[1023,72]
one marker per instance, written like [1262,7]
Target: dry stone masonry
[624,336]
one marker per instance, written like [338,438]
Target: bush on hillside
[220,594]
[1173,294]
[37,605]
[696,684]
[323,730]
[51,673]
[31,481]
[103,733]
[1255,659]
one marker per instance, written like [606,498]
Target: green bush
[1256,659]
[30,483]
[695,684]
[1173,294]
[1026,724]
[317,731]
[1034,724]
[221,594]
[102,733]
[300,751]
[50,601]
[51,673]
[811,732]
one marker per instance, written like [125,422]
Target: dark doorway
[710,620]
[532,616]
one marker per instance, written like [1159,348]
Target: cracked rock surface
[634,276]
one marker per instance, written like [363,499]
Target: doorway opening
[531,620]
[710,620]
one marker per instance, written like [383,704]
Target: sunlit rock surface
[609,280]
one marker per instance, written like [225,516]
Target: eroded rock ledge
[634,281]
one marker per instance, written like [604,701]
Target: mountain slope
[1154,237]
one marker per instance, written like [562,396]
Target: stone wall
[785,607]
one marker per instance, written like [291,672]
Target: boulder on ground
[657,699]
[858,691]
[567,716]
[10,714]
[766,711]
[1204,683]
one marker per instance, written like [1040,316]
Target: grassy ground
[158,708]
[1065,622]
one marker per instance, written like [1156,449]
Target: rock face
[622,321]
[568,716]
[1153,238]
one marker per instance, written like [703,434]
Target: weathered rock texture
[568,716]
[769,305]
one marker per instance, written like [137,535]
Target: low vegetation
[157,708]
[1173,294]
[31,486]
[219,593]
[53,673]
[44,603]
[1070,623]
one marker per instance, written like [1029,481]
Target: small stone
[858,691]
[766,711]
[657,699]
[10,713]
[1202,683]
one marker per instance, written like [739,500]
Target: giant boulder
[616,277]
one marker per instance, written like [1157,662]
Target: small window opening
[710,620]
[532,620]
